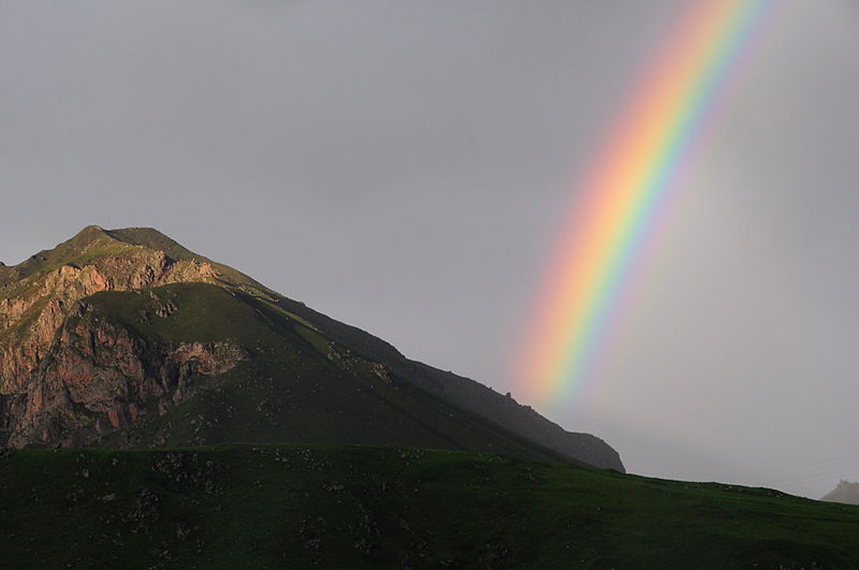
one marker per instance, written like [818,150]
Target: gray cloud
[402,166]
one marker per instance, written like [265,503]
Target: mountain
[124,338]
[845,492]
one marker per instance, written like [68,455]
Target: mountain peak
[154,239]
[106,250]
[87,235]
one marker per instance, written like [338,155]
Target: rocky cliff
[125,338]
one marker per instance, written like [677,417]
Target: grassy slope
[352,507]
[289,389]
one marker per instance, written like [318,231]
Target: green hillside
[294,385]
[297,506]
[124,338]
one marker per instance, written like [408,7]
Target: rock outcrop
[65,380]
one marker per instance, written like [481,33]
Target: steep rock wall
[68,380]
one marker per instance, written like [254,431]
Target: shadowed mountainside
[124,338]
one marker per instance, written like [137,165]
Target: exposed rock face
[37,312]
[100,378]
[104,337]
[68,380]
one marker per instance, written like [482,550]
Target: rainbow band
[625,189]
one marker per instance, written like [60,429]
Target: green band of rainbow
[624,190]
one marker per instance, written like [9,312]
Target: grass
[276,506]
[204,313]
[295,384]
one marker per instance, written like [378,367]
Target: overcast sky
[403,166]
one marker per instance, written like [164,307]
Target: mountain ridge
[114,334]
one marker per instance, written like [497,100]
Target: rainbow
[624,190]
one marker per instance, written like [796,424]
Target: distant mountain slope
[845,492]
[312,506]
[124,338]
